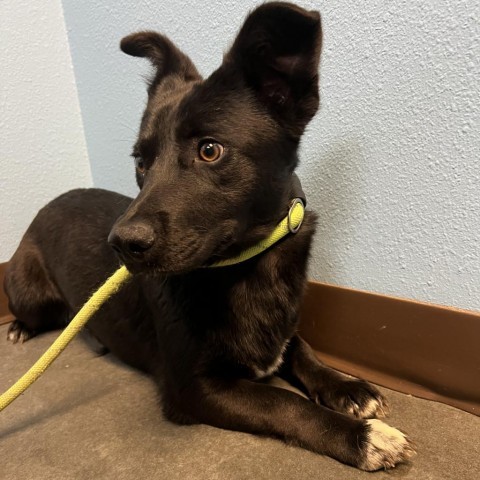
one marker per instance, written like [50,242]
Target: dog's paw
[355,397]
[384,447]
[18,332]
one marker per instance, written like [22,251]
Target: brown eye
[210,151]
[140,165]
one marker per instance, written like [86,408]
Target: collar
[290,224]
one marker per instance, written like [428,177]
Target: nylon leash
[109,288]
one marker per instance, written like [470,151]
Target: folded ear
[278,51]
[164,55]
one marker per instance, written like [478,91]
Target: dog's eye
[140,165]
[210,151]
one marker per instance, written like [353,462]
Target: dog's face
[214,157]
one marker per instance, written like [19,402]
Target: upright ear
[164,55]
[278,51]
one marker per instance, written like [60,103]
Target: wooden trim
[5,315]
[425,350]
[416,348]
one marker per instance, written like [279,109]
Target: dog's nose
[132,240]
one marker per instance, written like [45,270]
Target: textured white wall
[391,161]
[42,145]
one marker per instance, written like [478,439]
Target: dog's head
[214,158]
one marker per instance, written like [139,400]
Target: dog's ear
[164,55]
[278,51]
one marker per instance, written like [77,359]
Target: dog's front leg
[247,406]
[328,387]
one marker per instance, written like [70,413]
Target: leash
[109,288]
[290,224]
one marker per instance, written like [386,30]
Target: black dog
[214,161]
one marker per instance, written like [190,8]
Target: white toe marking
[386,446]
[11,336]
[374,408]
[370,408]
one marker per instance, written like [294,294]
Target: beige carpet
[89,417]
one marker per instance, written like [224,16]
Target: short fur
[207,336]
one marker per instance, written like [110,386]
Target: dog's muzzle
[132,241]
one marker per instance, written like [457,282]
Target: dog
[214,161]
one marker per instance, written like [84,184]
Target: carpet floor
[90,417]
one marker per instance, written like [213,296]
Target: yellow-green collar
[290,224]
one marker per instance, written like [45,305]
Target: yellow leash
[109,288]
[290,224]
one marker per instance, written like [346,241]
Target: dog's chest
[262,370]
[233,323]
[257,328]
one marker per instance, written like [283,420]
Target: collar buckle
[291,227]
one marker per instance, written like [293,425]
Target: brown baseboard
[5,315]
[425,350]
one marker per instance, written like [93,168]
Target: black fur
[206,335]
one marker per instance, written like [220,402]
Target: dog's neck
[297,190]
[271,234]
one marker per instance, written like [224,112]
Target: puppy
[215,161]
